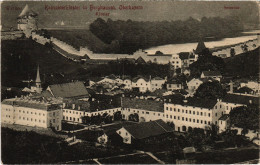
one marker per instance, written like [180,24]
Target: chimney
[231,90]
[78,107]
[250,101]
[63,105]
[73,106]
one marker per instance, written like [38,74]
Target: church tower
[38,82]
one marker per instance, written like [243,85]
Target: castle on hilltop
[27,21]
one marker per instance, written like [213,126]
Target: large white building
[28,112]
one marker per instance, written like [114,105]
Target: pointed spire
[27,11]
[201,46]
[38,79]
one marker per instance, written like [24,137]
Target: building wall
[194,84]
[76,115]
[173,86]
[156,84]
[143,114]
[54,119]
[187,116]
[127,138]
[176,61]
[142,85]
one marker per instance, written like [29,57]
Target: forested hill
[20,59]
[244,65]
[130,36]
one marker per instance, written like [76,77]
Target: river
[187,47]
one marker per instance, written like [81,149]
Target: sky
[151,11]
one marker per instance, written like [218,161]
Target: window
[143,112]
[39,114]
[186,119]
[119,132]
[190,112]
[126,134]
[198,121]
[198,113]
[170,109]
[147,112]
[166,108]
[182,118]
[208,122]
[193,120]
[178,117]
[209,114]
[39,121]
[201,121]
[201,113]
[166,116]
[193,112]
[216,114]
[27,112]
[43,121]
[158,114]
[53,120]
[174,109]
[182,111]
[178,110]
[171,116]
[43,114]
[190,119]
[174,117]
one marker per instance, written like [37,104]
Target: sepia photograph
[130,82]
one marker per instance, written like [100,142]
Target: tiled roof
[139,77]
[79,105]
[148,129]
[142,104]
[67,90]
[224,117]
[240,99]
[31,104]
[197,102]
[111,129]
[211,73]
[157,78]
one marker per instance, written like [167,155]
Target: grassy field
[80,37]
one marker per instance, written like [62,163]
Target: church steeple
[38,81]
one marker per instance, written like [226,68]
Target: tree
[246,117]
[210,90]
[232,52]
[207,62]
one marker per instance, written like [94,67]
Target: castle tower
[38,82]
[27,21]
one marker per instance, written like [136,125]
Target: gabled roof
[211,73]
[139,77]
[241,99]
[67,90]
[148,129]
[224,117]
[27,11]
[173,81]
[157,78]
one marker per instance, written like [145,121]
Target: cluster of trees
[28,147]
[102,119]
[245,117]
[126,67]
[129,36]
[101,102]
[207,62]
[210,90]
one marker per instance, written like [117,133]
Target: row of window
[73,112]
[188,119]
[143,112]
[70,118]
[31,113]
[31,119]
[188,111]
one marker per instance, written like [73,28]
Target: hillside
[20,59]
[80,37]
[243,65]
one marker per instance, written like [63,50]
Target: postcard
[130,82]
